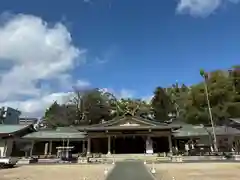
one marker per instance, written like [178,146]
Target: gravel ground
[59,172]
[197,171]
[164,171]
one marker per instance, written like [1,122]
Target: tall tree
[59,115]
[91,105]
[233,107]
[136,107]
[161,104]
[179,96]
[220,94]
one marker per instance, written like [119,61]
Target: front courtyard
[58,171]
[197,171]
[164,171]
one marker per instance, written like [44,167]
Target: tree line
[186,103]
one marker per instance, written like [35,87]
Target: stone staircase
[129,157]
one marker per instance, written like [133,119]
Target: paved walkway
[129,170]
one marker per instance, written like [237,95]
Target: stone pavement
[129,170]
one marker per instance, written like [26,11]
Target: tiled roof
[224,130]
[9,129]
[114,124]
[59,133]
[236,120]
[188,130]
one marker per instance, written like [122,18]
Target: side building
[9,115]
[12,128]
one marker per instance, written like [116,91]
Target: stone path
[130,170]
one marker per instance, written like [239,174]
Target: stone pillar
[109,145]
[89,146]
[46,149]
[50,148]
[170,143]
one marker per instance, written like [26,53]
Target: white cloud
[123,93]
[126,93]
[36,106]
[147,98]
[87,1]
[82,83]
[107,55]
[32,51]
[37,58]
[201,8]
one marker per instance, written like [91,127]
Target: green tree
[92,106]
[220,91]
[59,115]
[88,106]
[179,95]
[161,104]
[233,107]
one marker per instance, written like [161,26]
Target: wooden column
[46,149]
[89,146]
[31,150]
[50,148]
[109,145]
[170,143]
[83,146]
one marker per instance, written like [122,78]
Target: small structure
[46,141]
[201,137]
[65,152]
[9,134]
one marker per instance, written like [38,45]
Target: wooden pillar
[109,145]
[46,149]
[31,150]
[50,148]
[89,146]
[83,146]
[170,143]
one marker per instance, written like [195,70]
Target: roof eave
[13,133]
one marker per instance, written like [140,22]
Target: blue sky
[132,46]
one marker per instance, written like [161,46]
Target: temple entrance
[128,145]
[99,145]
[160,144]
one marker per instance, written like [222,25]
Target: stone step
[142,158]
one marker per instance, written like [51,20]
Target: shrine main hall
[126,134]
